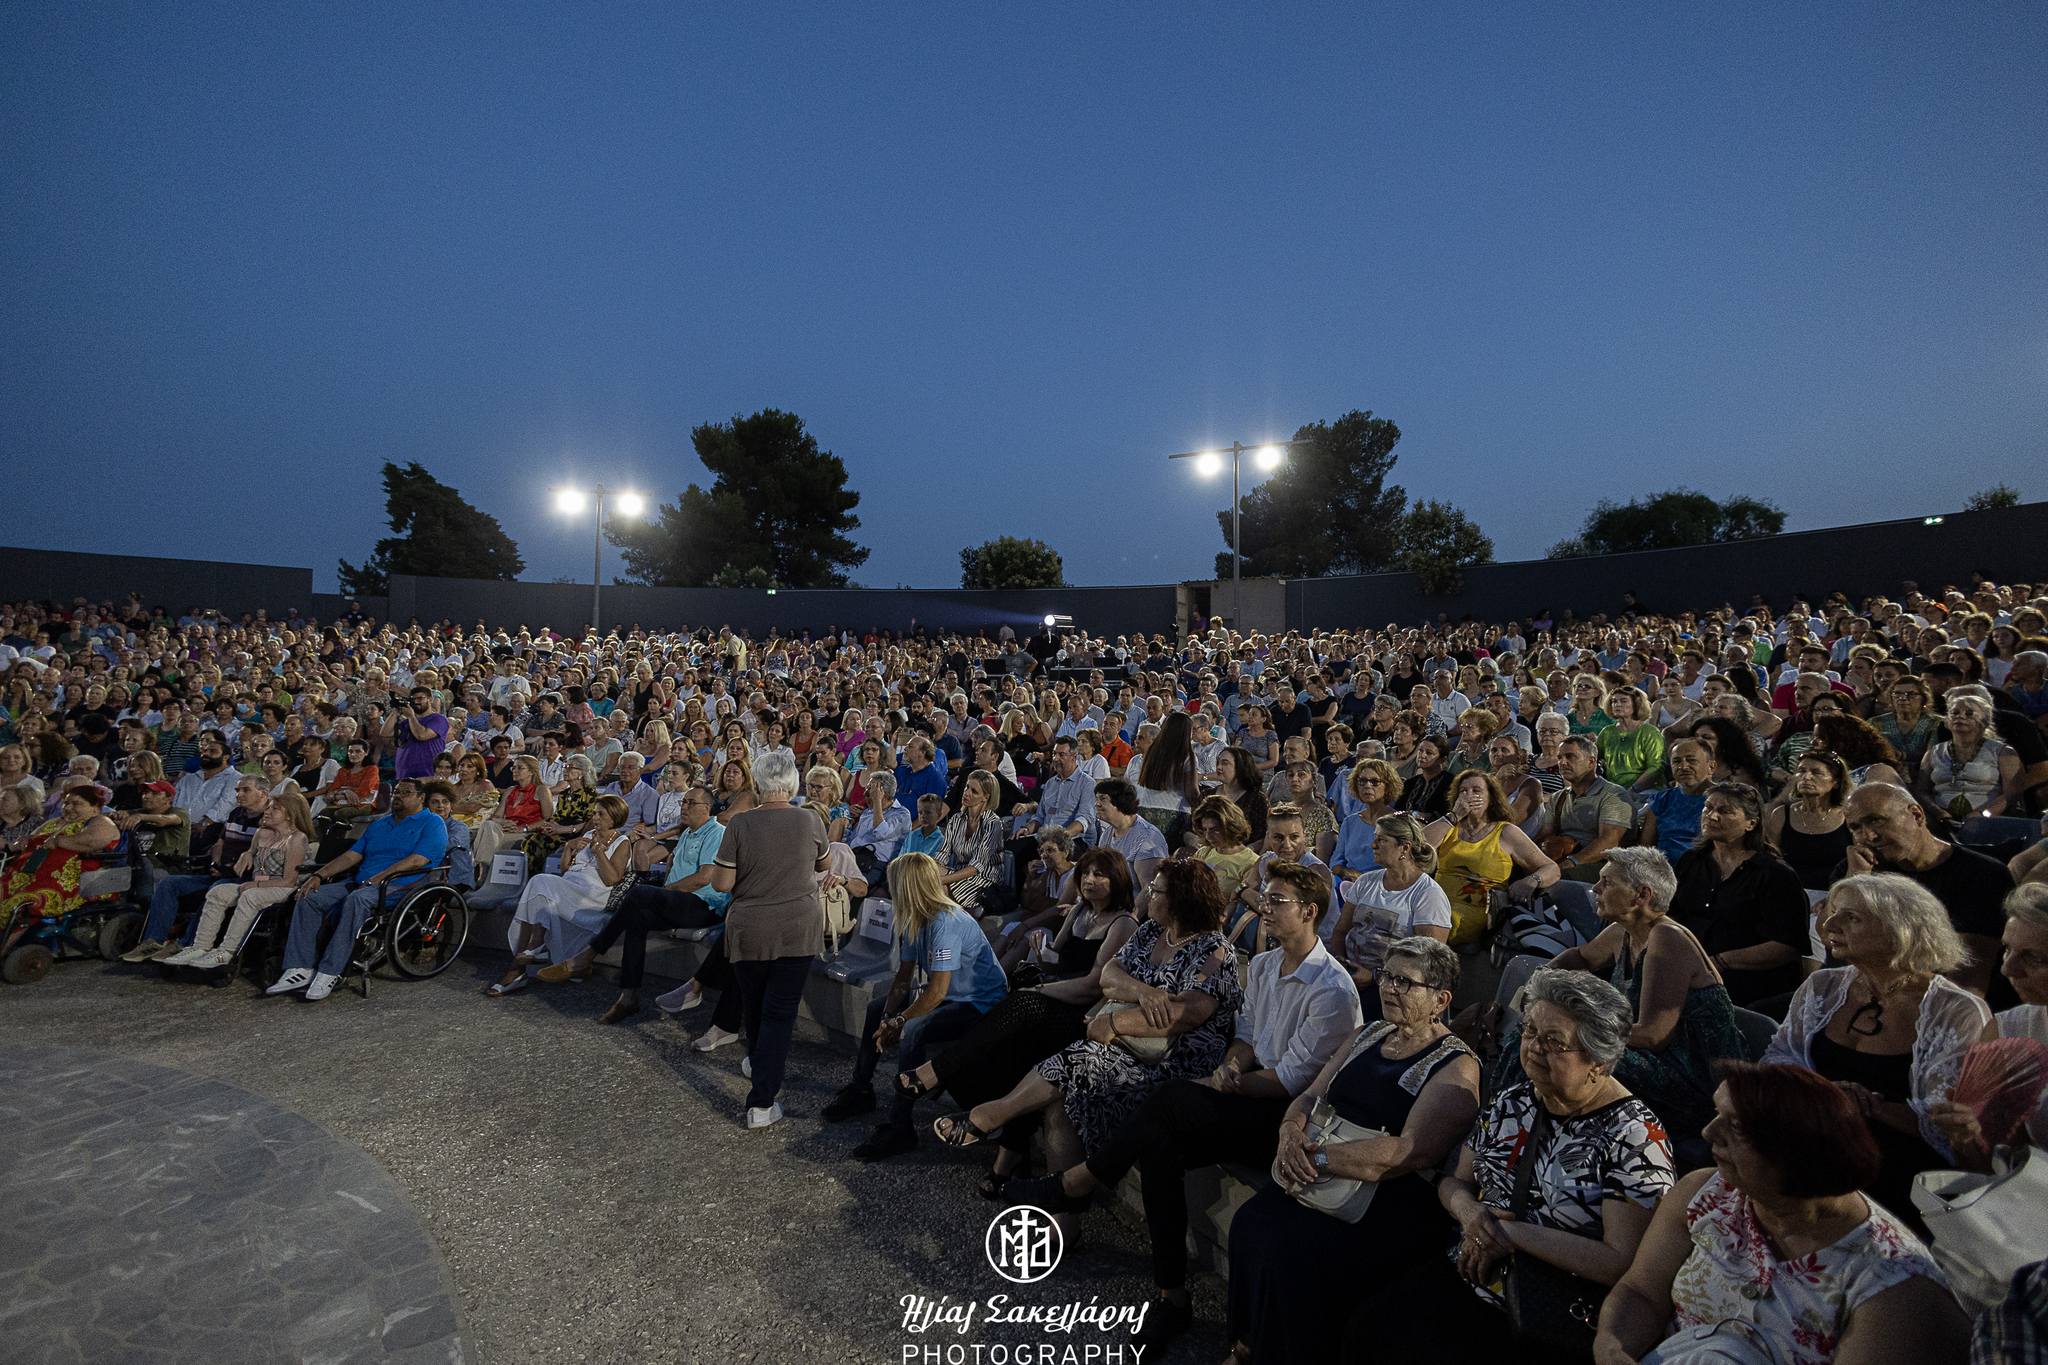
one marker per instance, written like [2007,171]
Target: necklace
[1173,942]
[1867,1019]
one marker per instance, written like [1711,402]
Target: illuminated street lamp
[570,501]
[1209,463]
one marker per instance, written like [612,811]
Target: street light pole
[596,558]
[569,501]
[1209,462]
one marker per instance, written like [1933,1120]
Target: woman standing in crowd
[768,863]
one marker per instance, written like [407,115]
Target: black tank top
[1814,856]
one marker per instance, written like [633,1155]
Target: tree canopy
[1011,562]
[1998,495]
[439,535]
[777,512]
[1438,543]
[1328,509]
[1664,521]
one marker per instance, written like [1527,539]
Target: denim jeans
[167,898]
[950,1020]
[345,909]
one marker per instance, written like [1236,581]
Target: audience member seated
[1741,900]
[1886,1026]
[1299,1006]
[1399,899]
[1478,849]
[394,852]
[1415,1088]
[972,852]
[569,817]
[938,944]
[1601,1161]
[2025,965]
[1034,1021]
[560,914]
[43,881]
[1972,772]
[1175,980]
[1807,824]
[1588,817]
[879,832]
[1774,1253]
[1222,840]
[179,893]
[1671,817]
[526,806]
[1891,835]
[270,867]
[1049,892]
[1121,827]
[1684,1020]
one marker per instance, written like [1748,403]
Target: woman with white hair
[1886,1025]
[1972,772]
[768,862]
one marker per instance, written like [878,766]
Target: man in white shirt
[1299,1008]
[1448,703]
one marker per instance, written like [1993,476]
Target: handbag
[1549,1307]
[837,907]
[1984,1227]
[1345,1200]
[1150,1051]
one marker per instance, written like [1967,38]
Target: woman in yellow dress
[1478,848]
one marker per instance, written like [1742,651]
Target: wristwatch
[1321,1161]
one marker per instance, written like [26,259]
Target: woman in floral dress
[1175,980]
[43,879]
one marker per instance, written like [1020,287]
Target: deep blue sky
[1004,259]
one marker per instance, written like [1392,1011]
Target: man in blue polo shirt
[393,852]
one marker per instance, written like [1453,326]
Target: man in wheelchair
[393,852]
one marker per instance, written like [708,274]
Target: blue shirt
[1142,840]
[695,849]
[911,785]
[461,859]
[390,839]
[954,943]
[1354,844]
[883,835]
[1678,819]
[1065,801]
[923,841]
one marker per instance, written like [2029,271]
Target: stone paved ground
[590,1190]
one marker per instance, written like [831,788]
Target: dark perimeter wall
[2009,544]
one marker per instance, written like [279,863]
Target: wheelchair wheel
[119,933]
[428,932]
[27,965]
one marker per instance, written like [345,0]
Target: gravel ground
[591,1189]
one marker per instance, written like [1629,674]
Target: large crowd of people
[1163,902]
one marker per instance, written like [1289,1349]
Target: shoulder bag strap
[1525,1168]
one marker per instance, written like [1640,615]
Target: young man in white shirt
[1299,1008]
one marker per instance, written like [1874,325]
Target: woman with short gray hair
[1683,1021]
[1601,1163]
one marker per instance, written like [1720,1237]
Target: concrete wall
[566,606]
[2007,544]
[179,584]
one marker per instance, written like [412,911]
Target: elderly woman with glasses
[1405,1075]
[1601,1161]
[1886,1025]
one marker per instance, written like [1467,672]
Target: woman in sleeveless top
[1033,1023]
[1294,1269]
[1478,847]
[1973,772]
[1684,1020]
[559,914]
[1810,830]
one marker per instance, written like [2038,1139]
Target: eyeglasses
[1549,1047]
[1401,985]
[1270,899]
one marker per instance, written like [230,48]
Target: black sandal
[959,1130]
[908,1086]
[996,1182]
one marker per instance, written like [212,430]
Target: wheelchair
[420,933]
[105,926]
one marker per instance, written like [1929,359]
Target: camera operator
[420,732]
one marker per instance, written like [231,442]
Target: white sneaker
[189,958]
[747,1067]
[219,957]
[295,979]
[762,1118]
[713,1039]
[682,999]
[322,987]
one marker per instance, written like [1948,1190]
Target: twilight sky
[1004,259]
